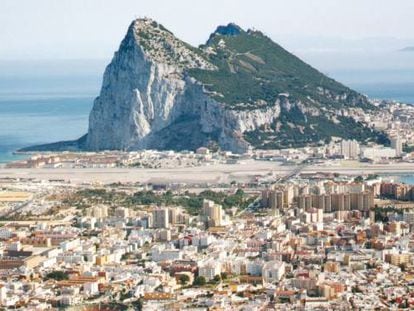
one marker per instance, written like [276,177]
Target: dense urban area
[230,175]
[283,238]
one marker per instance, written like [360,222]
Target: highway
[16,209]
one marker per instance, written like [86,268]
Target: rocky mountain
[238,90]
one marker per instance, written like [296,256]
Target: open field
[220,173]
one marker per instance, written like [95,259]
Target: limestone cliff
[149,101]
[240,89]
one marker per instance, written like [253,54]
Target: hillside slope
[239,90]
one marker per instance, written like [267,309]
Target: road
[296,171]
[52,223]
[16,209]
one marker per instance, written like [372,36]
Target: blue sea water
[49,102]
[33,120]
[403,92]
[407,179]
[43,102]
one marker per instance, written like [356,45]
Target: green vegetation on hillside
[252,67]
[254,72]
[294,129]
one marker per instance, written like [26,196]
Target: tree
[359,179]
[213,146]
[184,279]
[199,281]
[57,275]
[138,305]
[223,275]
[372,176]
[403,267]
[217,278]
[240,192]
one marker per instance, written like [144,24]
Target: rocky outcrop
[148,101]
[239,90]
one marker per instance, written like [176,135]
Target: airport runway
[220,173]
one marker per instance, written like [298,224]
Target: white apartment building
[396,144]
[379,152]
[213,212]
[273,271]
[160,218]
[159,253]
[209,269]
[349,149]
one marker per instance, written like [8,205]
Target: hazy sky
[94,28]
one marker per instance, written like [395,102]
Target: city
[281,241]
[206,155]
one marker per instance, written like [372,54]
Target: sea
[50,101]
[45,101]
[405,178]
